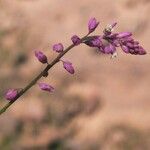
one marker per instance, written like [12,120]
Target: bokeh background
[104,106]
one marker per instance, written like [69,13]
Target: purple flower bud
[124,34]
[141,50]
[92,24]
[113,36]
[125,48]
[76,40]
[58,47]
[136,43]
[94,41]
[116,43]
[97,42]
[68,66]
[41,57]
[46,87]
[11,94]
[109,49]
[130,45]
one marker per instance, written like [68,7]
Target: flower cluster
[106,43]
[109,42]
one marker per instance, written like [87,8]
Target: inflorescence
[107,43]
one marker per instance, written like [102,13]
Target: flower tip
[124,35]
[46,87]
[68,66]
[11,94]
[92,24]
[109,49]
[40,56]
[58,47]
[75,40]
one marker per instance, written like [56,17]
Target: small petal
[94,41]
[113,36]
[92,24]
[46,87]
[130,45]
[109,49]
[75,40]
[11,94]
[125,48]
[41,57]
[68,66]
[58,47]
[116,43]
[124,34]
[97,42]
[141,50]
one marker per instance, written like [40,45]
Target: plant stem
[40,75]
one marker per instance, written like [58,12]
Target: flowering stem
[34,81]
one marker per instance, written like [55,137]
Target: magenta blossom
[109,49]
[92,24]
[124,34]
[41,57]
[58,47]
[11,94]
[75,40]
[125,48]
[94,41]
[68,66]
[46,87]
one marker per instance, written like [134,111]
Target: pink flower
[109,49]
[11,94]
[41,57]
[75,40]
[68,66]
[46,87]
[124,34]
[58,47]
[92,24]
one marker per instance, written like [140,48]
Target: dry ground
[105,105]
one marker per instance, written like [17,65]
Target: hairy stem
[40,75]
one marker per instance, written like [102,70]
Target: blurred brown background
[104,106]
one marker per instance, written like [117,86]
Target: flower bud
[46,87]
[58,47]
[11,94]
[41,57]
[141,50]
[124,34]
[75,40]
[68,66]
[125,48]
[109,49]
[94,41]
[92,24]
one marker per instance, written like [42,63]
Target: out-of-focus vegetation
[104,106]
